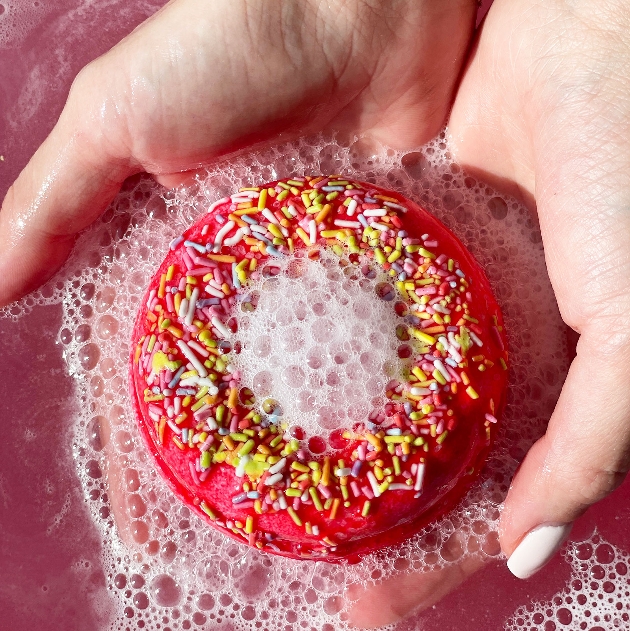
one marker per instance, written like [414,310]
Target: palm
[183,95]
[544,108]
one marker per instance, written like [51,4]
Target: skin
[543,110]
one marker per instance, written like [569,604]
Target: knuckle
[597,483]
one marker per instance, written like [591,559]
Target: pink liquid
[51,570]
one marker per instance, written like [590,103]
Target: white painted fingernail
[536,549]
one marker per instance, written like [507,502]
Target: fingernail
[537,548]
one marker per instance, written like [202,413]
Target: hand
[203,78]
[545,105]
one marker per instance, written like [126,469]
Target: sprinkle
[220,327]
[294,516]
[175,242]
[218,239]
[419,476]
[192,358]
[470,391]
[312,231]
[215,205]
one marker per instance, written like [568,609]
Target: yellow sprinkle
[470,391]
[303,236]
[262,200]
[298,466]
[315,497]
[294,516]
[207,510]
[394,256]
[366,508]
[222,258]
[421,335]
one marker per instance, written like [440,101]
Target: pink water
[51,568]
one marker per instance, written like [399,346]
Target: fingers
[65,186]
[392,600]
[582,458]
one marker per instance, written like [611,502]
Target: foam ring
[229,457]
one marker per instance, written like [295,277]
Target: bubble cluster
[166,568]
[321,340]
[597,597]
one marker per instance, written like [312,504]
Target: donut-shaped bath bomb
[318,367]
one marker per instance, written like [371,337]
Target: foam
[215,580]
[335,320]
[596,598]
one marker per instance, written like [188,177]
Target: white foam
[320,342]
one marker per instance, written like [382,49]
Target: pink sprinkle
[187,260]
[193,473]
[324,490]
[367,492]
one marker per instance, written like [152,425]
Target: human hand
[200,79]
[545,105]
[183,90]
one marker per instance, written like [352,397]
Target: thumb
[66,185]
[582,458]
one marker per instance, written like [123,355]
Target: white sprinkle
[376,212]
[312,227]
[420,391]
[396,206]
[175,242]
[282,500]
[442,369]
[221,328]
[218,203]
[218,239]
[270,216]
[291,210]
[238,236]
[183,308]
[272,479]
[192,305]
[192,358]
[347,224]
[151,297]
[340,473]
[474,338]
[379,226]
[491,418]
[419,477]
[276,468]
[374,484]
[352,206]
[213,291]
[240,470]
[397,486]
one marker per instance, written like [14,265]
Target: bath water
[92,537]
